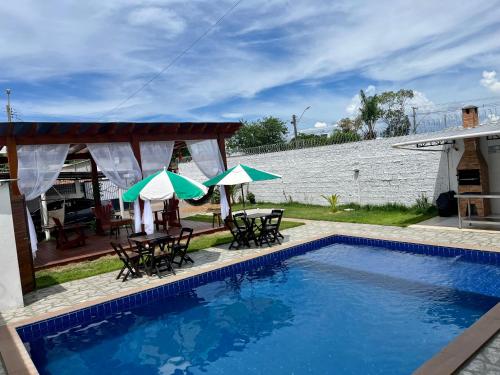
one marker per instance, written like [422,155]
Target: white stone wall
[11,294]
[385,174]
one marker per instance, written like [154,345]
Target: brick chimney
[470,117]
[472,170]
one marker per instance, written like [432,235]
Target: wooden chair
[130,262]
[280,213]
[239,234]
[173,214]
[161,220]
[247,226]
[180,247]
[162,253]
[106,220]
[69,236]
[269,232]
[103,216]
[140,250]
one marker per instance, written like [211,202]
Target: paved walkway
[487,361]
[72,293]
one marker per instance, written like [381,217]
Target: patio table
[253,215]
[146,246]
[117,223]
[256,213]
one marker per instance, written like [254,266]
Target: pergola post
[24,256]
[96,192]
[13,165]
[222,149]
[96,189]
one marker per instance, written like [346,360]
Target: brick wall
[385,174]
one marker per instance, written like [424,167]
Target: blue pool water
[342,309]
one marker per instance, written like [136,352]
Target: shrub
[422,204]
[339,136]
[333,201]
[251,197]
[288,198]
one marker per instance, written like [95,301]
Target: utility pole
[8,108]
[414,109]
[294,123]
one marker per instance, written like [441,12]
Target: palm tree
[369,113]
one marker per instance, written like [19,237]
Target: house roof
[490,130]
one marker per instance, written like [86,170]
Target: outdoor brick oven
[472,170]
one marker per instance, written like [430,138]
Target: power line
[175,59]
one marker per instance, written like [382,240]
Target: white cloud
[155,17]
[125,43]
[420,101]
[232,115]
[490,81]
[320,125]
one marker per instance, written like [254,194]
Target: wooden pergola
[77,135]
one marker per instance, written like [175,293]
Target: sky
[80,60]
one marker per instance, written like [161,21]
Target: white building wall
[11,294]
[385,174]
[491,151]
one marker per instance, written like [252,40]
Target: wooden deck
[96,246]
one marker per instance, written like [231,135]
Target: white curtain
[154,157]
[118,163]
[38,169]
[207,157]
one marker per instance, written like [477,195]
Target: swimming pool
[343,308]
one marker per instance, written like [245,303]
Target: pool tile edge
[458,352]
[16,358]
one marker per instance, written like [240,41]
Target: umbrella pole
[243,197]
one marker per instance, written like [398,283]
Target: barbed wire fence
[424,119]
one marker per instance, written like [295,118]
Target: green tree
[349,125]
[393,105]
[369,113]
[266,131]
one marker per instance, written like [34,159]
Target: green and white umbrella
[239,175]
[163,185]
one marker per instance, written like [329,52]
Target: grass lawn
[76,271]
[396,215]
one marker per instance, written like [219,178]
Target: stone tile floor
[71,293]
[487,361]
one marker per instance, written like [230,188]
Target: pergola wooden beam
[91,131]
[32,131]
[44,139]
[73,133]
[54,130]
